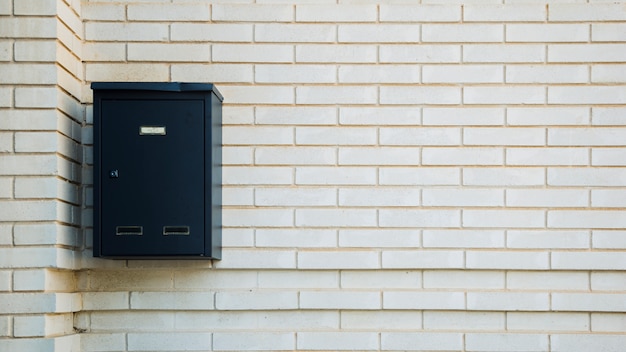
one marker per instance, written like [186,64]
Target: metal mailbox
[157,170]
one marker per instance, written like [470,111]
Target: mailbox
[157,170]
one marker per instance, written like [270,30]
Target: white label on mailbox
[152,130]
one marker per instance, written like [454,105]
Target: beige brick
[547,33]
[127,320]
[168,52]
[431,259]
[28,27]
[331,95]
[379,116]
[212,32]
[99,341]
[295,115]
[168,12]
[337,340]
[422,53]
[204,279]
[171,300]
[547,321]
[242,341]
[243,175]
[257,217]
[262,95]
[252,12]
[264,53]
[264,259]
[332,53]
[336,13]
[126,32]
[244,135]
[420,13]
[462,33]
[143,72]
[103,11]
[379,74]
[295,74]
[295,33]
[379,33]
[34,50]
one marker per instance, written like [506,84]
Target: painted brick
[420,13]
[546,281]
[420,53]
[295,33]
[292,279]
[462,156]
[336,136]
[296,116]
[588,260]
[168,12]
[211,32]
[602,322]
[607,74]
[441,320]
[547,321]
[333,53]
[609,32]
[336,95]
[462,33]
[495,53]
[444,95]
[435,259]
[522,301]
[424,300]
[586,219]
[507,260]
[336,13]
[379,74]
[388,279]
[336,175]
[596,302]
[456,279]
[171,300]
[586,177]
[463,239]
[419,218]
[463,74]
[257,175]
[168,341]
[238,341]
[548,116]
[547,198]
[506,342]
[381,320]
[338,260]
[265,53]
[337,340]
[296,237]
[421,341]
[463,116]
[379,156]
[547,239]
[295,156]
[609,239]
[583,12]
[379,116]
[552,156]
[586,52]
[378,197]
[441,176]
[339,300]
[547,33]
[252,13]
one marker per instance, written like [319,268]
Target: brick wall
[443,176]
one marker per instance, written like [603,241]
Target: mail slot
[157,170]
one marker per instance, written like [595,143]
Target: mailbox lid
[158,86]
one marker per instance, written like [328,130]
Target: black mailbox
[157,170]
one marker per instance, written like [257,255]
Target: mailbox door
[152,177]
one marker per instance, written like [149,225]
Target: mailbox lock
[114,174]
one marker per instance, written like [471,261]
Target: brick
[143,72]
[337,340]
[608,32]
[379,33]
[379,116]
[547,74]
[421,341]
[504,95]
[419,218]
[35,97]
[586,219]
[6,8]
[257,217]
[336,176]
[136,280]
[264,53]
[462,239]
[547,239]
[168,12]
[340,300]
[29,210]
[256,320]
[336,136]
[462,156]
[5,283]
[441,320]
[127,320]
[378,74]
[336,95]
[504,13]
[103,11]
[381,320]
[257,175]
[417,95]
[609,239]
[27,344]
[298,279]
[5,326]
[504,136]
[168,52]
[6,143]
[33,50]
[256,300]
[295,156]
[506,342]
[6,50]
[332,53]
[295,33]
[295,116]
[586,12]
[252,13]
[424,300]
[436,176]
[422,53]
[458,279]
[31,303]
[378,197]
[547,281]
[586,177]
[594,302]
[547,33]
[547,321]
[336,217]
[547,156]
[338,260]
[466,116]
[588,261]
[553,198]
[262,95]
[36,142]
[28,27]
[501,53]
[420,13]
[608,74]
[336,13]
[301,238]
[171,300]
[167,341]
[379,238]
[462,33]
[586,136]
[586,52]
[508,260]
[212,32]
[603,116]
[244,135]
[104,52]
[431,259]
[237,155]
[203,279]
[101,341]
[603,322]
[387,279]
[379,156]
[420,136]
[528,116]
[267,259]
[238,341]
[126,32]
[463,197]
[571,342]
[295,196]
[516,301]
[462,74]
[585,95]
[608,198]
[295,74]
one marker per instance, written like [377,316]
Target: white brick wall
[434,176]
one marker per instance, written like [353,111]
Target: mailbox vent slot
[129,230]
[175,230]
